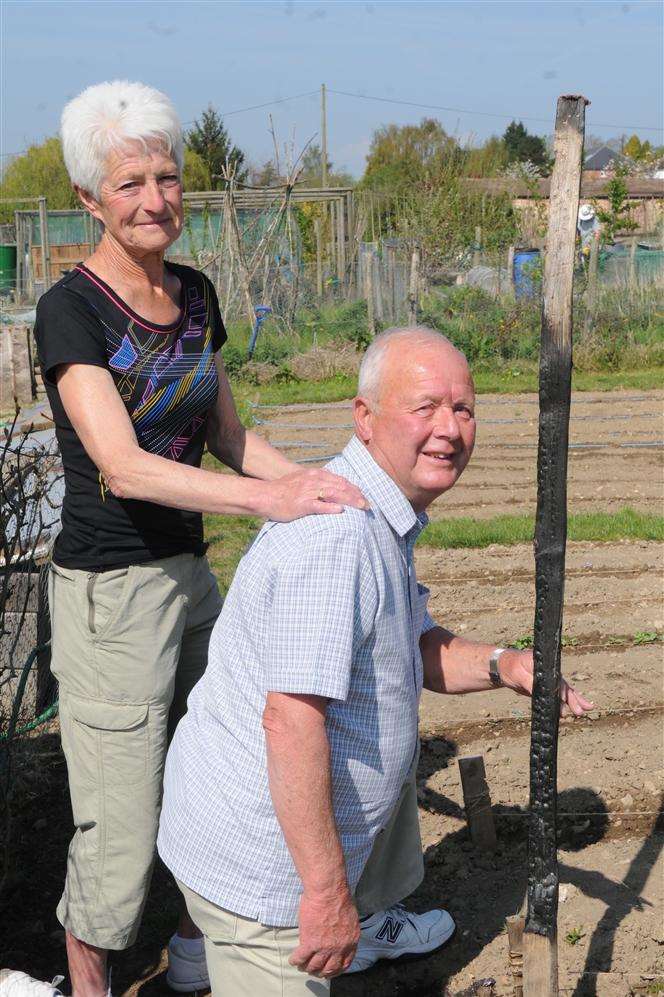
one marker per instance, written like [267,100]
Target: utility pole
[323,134]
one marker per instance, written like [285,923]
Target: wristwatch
[494,674]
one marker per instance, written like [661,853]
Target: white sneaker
[395,932]
[16,984]
[187,968]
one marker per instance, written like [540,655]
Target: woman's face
[140,203]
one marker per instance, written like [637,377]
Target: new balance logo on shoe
[389,930]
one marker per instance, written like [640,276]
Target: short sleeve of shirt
[219,335]
[428,623]
[314,619]
[67,330]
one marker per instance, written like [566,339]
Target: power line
[267,103]
[486,114]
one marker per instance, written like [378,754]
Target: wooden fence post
[378,286]
[540,937]
[341,243]
[413,287]
[6,370]
[90,231]
[510,269]
[391,260]
[632,262]
[368,288]
[333,241]
[477,802]
[477,248]
[319,259]
[591,286]
[45,243]
[16,350]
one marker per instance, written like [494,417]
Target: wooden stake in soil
[540,938]
[477,802]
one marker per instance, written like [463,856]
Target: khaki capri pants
[128,645]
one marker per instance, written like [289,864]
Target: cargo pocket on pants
[111,740]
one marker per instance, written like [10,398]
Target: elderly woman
[130,353]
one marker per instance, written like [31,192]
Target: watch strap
[494,674]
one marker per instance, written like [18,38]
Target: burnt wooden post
[540,976]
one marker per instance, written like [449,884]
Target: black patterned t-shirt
[167,379]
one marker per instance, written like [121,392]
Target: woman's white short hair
[107,116]
[371,367]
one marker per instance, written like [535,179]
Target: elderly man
[290,812]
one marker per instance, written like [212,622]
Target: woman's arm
[237,447]
[98,415]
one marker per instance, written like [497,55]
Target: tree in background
[312,170]
[617,218]
[486,160]
[195,174]
[401,155]
[209,138]
[40,171]
[634,148]
[523,147]
[266,175]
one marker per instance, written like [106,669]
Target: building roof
[637,187]
[602,159]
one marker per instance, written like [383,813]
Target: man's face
[422,428]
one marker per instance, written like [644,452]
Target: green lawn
[229,536]
[506,380]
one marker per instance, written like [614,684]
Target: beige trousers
[128,645]
[246,958]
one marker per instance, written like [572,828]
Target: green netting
[648,265]
[63,230]
[202,230]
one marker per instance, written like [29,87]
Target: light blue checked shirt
[326,606]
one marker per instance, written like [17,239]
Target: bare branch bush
[29,469]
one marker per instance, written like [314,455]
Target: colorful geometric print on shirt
[167,380]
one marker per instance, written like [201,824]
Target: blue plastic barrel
[523,281]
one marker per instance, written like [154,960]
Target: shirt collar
[383,492]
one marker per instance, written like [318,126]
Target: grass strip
[626,524]
[509,380]
[229,536]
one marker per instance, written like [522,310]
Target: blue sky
[510,59]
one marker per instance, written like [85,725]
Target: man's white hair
[107,116]
[371,368]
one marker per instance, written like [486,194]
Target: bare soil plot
[616,457]
[611,766]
